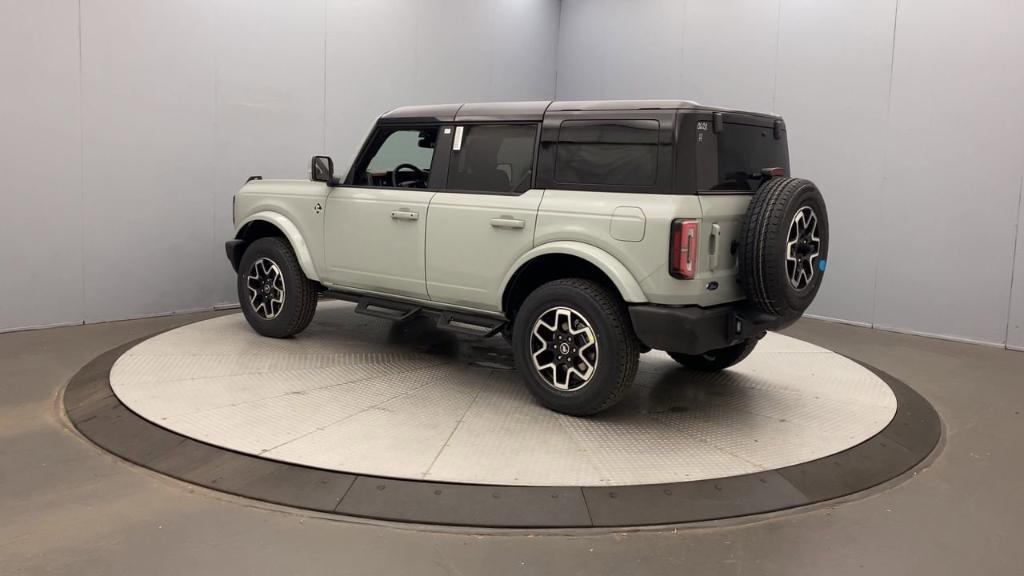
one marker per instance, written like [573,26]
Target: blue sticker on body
[821,265]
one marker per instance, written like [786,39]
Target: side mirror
[321,169]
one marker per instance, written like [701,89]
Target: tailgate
[720,234]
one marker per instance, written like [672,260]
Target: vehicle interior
[398,158]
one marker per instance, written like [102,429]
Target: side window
[398,157]
[607,152]
[493,158]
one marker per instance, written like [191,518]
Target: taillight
[682,254]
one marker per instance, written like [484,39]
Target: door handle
[404,215]
[713,241]
[510,223]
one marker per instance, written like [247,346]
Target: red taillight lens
[682,254]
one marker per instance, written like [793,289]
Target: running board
[469,324]
[459,322]
[386,309]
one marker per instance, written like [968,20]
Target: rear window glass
[609,153]
[743,151]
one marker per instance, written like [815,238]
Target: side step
[470,325]
[459,322]
[388,310]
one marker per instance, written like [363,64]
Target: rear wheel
[575,347]
[276,297]
[715,360]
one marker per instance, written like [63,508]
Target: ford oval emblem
[713,285]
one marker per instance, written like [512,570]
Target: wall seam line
[885,154]
[778,44]
[81,169]
[1013,259]
[558,49]
[219,148]
[323,22]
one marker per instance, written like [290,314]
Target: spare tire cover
[783,249]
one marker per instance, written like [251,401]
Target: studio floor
[68,506]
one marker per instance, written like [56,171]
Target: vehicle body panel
[374,239]
[473,240]
[592,218]
[290,205]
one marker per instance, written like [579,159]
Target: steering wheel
[420,176]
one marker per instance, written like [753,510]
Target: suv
[585,232]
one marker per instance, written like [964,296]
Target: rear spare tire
[783,248]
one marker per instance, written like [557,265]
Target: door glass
[494,158]
[398,158]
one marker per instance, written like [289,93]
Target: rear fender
[621,277]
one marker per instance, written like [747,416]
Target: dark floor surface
[68,507]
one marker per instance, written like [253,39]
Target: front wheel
[715,360]
[575,347]
[276,297]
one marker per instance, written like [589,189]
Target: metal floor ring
[359,395]
[213,404]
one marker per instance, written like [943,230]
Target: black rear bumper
[695,330]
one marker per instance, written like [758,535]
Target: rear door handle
[713,241]
[404,215]
[510,223]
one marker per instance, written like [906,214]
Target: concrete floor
[66,506]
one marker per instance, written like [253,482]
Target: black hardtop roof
[535,110]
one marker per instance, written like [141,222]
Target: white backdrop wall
[907,114]
[127,125]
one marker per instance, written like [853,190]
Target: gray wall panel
[729,51]
[270,105]
[581,49]
[40,164]
[833,90]
[524,45]
[953,168]
[149,168]
[667,49]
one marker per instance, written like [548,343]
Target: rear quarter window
[607,152]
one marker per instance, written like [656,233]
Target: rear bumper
[695,330]
[234,249]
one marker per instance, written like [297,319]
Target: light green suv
[585,232]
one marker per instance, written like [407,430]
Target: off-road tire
[762,254]
[300,294]
[617,346]
[715,360]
